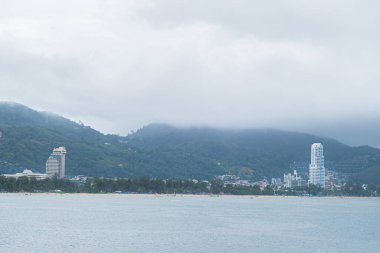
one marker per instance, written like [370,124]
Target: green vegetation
[145,185]
[28,137]
[101,185]
[24,184]
[171,186]
[349,189]
[369,175]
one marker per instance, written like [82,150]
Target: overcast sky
[116,65]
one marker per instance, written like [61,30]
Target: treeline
[24,184]
[171,186]
[102,185]
[145,185]
[349,189]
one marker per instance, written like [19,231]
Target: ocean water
[128,223]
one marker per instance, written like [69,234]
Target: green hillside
[28,137]
[257,152]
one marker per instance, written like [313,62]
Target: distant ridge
[28,138]
[159,150]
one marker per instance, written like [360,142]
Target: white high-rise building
[294,180]
[317,172]
[55,165]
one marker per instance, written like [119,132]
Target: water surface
[126,223]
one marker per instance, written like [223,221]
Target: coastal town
[319,181]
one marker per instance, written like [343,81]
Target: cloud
[117,65]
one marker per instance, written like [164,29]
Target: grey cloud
[274,19]
[117,65]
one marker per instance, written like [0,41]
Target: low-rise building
[276,182]
[28,174]
[79,178]
[294,180]
[263,184]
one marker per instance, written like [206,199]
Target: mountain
[27,138]
[247,152]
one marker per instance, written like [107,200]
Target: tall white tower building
[317,172]
[55,165]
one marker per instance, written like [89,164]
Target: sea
[55,223]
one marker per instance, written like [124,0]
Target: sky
[117,65]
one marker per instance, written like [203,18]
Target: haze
[303,65]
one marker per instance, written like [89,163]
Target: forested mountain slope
[28,137]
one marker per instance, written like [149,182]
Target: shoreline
[175,195]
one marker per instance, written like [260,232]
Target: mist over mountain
[354,131]
[159,150]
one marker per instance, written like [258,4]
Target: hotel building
[317,172]
[55,165]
